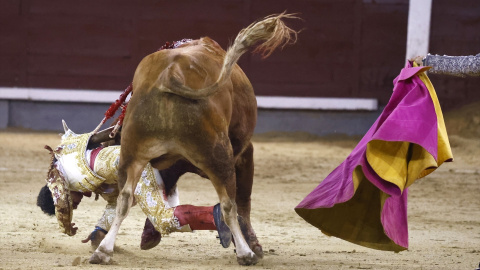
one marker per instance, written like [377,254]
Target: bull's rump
[172,117]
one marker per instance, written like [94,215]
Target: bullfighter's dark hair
[45,201]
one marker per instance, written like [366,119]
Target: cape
[364,200]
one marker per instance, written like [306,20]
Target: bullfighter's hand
[418,60]
[89,237]
[96,237]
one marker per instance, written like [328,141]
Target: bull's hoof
[258,250]
[250,259]
[99,257]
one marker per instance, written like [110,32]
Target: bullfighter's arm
[461,66]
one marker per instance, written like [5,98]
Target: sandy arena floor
[444,214]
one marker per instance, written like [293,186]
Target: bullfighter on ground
[79,168]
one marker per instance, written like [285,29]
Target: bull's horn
[65,127]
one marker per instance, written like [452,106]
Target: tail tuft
[281,35]
[271,30]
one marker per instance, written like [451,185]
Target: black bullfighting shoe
[224,233]
[150,236]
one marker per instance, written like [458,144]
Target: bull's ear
[65,127]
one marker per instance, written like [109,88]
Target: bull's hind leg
[220,168]
[244,176]
[226,192]
[132,174]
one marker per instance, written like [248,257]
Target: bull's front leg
[104,252]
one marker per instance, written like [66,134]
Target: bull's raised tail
[271,30]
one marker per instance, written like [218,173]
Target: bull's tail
[271,30]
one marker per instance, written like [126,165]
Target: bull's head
[99,137]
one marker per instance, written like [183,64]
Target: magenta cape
[364,200]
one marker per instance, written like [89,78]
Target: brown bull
[194,105]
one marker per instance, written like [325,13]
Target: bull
[193,108]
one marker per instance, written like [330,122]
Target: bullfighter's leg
[220,168]
[104,252]
[244,175]
[204,218]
